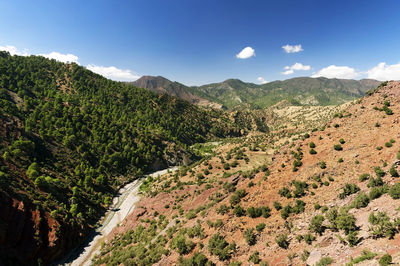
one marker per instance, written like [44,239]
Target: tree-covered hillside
[69,138]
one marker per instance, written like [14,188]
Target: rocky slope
[331,196]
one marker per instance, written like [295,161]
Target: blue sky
[197,42]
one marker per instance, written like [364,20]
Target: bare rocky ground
[365,129]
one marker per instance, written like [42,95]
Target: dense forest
[70,138]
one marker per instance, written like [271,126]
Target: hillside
[162,85]
[330,196]
[233,93]
[70,138]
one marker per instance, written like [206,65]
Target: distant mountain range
[233,93]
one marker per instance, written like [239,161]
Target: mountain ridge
[233,93]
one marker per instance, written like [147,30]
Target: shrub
[393,172]
[365,255]
[349,189]
[324,261]
[340,160]
[299,188]
[223,209]
[239,211]
[182,245]
[249,236]
[282,241]
[309,238]
[312,151]
[254,258]
[363,177]
[316,224]
[260,227]
[312,145]
[360,201]
[381,226]
[277,205]
[341,141]
[375,193]
[322,165]
[385,260]
[352,238]
[285,192]
[337,147]
[198,259]
[217,245]
[388,144]
[394,191]
[375,182]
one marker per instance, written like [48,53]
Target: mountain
[161,85]
[329,196]
[233,93]
[69,139]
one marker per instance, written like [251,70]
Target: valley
[249,181]
[321,197]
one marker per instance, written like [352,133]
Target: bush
[379,172]
[300,188]
[182,245]
[393,172]
[282,241]
[394,191]
[385,260]
[381,226]
[349,189]
[322,165]
[375,193]
[250,237]
[337,147]
[376,182]
[260,227]
[309,238]
[277,205]
[324,261]
[285,192]
[360,201]
[218,246]
[198,259]
[341,141]
[316,224]
[363,177]
[312,145]
[223,209]
[312,151]
[254,258]
[388,144]
[239,211]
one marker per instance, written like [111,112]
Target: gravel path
[122,206]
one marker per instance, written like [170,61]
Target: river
[123,204]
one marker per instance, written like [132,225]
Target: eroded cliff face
[27,234]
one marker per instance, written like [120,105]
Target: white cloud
[262,80]
[296,66]
[13,50]
[385,72]
[341,72]
[292,48]
[65,58]
[246,53]
[114,73]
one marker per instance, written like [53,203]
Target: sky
[203,41]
